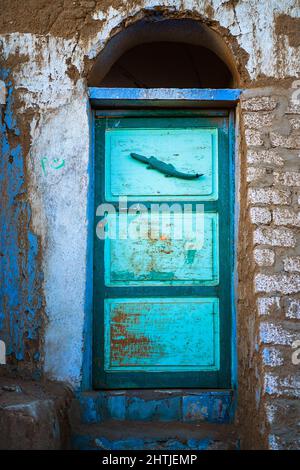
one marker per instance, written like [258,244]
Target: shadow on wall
[168,65]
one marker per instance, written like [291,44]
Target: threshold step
[212,406]
[137,435]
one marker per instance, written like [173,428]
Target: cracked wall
[47,52]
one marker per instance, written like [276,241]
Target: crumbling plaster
[48,67]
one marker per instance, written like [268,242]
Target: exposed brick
[274,236]
[273,442]
[264,103]
[293,108]
[276,334]
[287,386]
[254,138]
[285,438]
[260,215]
[293,308]
[288,178]
[285,216]
[292,264]
[264,157]
[264,256]
[255,174]
[295,123]
[282,410]
[268,305]
[269,196]
[283,283]
[289,440]
[272,357]
[291,142]
[257,120]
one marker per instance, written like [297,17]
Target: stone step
[212,406]
[137,435]
[34,415]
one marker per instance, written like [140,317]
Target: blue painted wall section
[20,276]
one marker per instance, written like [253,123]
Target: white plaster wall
[63,199]
[60,130]
[60,137]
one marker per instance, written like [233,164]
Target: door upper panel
[189,150]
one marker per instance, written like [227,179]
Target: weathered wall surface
[269,266]
[47,50]
[21,316]
[34,415]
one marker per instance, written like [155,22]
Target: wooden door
[162,305]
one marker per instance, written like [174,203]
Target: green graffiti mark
[55,164]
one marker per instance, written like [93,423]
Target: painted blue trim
[87,356]
[102,95]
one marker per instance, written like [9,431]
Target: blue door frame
[117,99]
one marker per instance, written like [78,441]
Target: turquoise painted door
[162,293]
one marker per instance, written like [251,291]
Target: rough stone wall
[271,122]
[47,49]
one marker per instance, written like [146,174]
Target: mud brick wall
[270,123]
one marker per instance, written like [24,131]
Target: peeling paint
[19,248]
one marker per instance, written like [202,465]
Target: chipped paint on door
[191,150]
[162,260]
[162,334]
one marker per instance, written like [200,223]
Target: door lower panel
[161,334]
